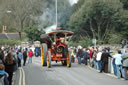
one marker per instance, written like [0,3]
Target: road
[35,74]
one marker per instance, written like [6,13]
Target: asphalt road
[35,74]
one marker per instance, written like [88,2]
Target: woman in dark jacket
[104,61]
[79,55]
[9,66]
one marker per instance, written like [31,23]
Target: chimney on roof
[4,29]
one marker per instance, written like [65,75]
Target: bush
[84,43]
[9,42]
[115,38]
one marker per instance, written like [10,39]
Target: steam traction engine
[55,48]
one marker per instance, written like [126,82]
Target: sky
[73,1]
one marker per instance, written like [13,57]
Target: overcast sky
[73,1]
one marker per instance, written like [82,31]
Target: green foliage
[115,38]
[22,14]
[9,42]
[85,42]
[33,33]
[78,5]
[97,18]
[125,4]
[122,24]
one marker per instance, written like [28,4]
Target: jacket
[25,54]
[20,55]
[85,55]
[30,54]
[104,57]
[80,53]
[10,67]
[125,60]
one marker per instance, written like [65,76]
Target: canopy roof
[58,33]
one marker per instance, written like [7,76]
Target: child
[3,74]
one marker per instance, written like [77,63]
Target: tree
[95,19]
[22,13]
[122,21]
[125,4]
[33,33]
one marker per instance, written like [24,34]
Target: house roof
[3,36]
[12,36]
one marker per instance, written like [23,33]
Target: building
[9,36]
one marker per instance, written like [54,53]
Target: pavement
[35,74]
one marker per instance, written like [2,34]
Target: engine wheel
[44,59]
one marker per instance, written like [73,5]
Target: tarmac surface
[35,74]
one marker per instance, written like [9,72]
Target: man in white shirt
[98,58]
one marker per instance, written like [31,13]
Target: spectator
[124,42]
[20,56]
[25,56]
[9,66]
[1,56]
[85,55]
[98,59]
[15,59]
[37,51]
[118,63]
[90,55]
[79,55]
[125,64]
[30,54]
[75,50]
[94,63]
[73,56]
[104,61]
[3,75]
[114,65]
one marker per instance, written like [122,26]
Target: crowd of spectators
[99,59]
[12,59]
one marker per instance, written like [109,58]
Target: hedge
[9,42]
